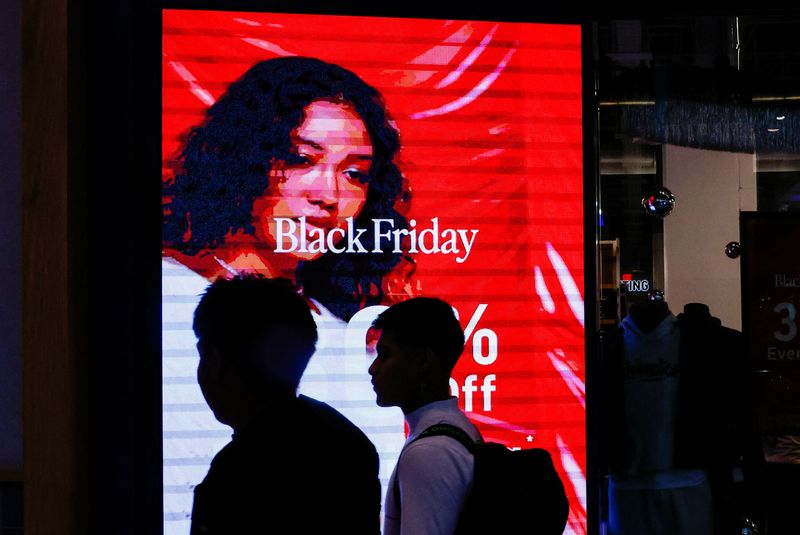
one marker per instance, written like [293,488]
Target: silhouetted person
[294,465]
[419,344]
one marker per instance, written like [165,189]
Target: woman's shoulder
[179,279]
[323,315]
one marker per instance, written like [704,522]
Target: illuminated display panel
[489,192]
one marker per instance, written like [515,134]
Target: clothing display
[673,427]
[672,502]
[434,474]
[651,393]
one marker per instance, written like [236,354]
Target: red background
[507,162]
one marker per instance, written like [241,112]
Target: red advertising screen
[462,178]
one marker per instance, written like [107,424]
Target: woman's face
[326,188]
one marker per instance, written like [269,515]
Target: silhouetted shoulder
[332,420]
[351,466]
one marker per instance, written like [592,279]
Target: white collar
[418,418]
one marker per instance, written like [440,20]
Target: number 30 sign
[771,288]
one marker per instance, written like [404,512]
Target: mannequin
[651,489]
[648,314]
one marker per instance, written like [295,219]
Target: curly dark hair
[225,165]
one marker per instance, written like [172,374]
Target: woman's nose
[324,188]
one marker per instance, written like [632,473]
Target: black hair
[235,314]
[225,165]
[425,322]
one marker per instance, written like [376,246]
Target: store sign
[635,286]
[771,289]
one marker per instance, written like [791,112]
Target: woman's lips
[324,223]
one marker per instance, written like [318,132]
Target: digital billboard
[448,163]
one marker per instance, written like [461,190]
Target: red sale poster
[391,158]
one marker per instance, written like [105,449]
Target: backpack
[513,491]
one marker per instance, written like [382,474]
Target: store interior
[698,123]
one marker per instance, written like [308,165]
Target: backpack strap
[448,430]
[441,429]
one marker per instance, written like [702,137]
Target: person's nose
[373,368]
[324,188]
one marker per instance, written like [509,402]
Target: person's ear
[430,362]
[209,370]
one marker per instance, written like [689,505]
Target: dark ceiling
[713,82]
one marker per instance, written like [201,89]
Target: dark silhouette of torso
[299,467]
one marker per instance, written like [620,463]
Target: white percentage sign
[480,335]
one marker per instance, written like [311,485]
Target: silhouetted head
[420,342]
[255,338]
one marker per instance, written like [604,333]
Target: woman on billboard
[284,177]
[295,156]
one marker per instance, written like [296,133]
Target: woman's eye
[304,160]
[355,175]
